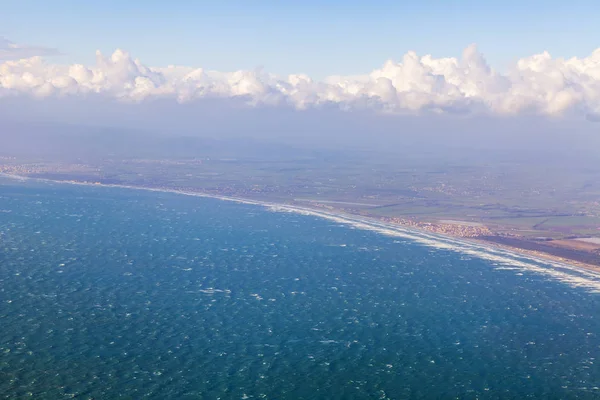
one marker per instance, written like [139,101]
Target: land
[541,195]
[470,202]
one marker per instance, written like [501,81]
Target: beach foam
[500,259]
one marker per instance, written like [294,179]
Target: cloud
[536,85]
[13,51]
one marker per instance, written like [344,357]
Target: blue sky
[319,38]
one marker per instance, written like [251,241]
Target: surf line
[500,259]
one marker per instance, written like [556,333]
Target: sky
[318,38]
[504,58]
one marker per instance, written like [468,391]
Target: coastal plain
[510,198]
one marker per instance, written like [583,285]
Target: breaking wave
[500,259]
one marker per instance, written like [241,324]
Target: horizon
[299,200]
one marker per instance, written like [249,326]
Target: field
[512,194]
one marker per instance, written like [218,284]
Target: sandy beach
[570,271]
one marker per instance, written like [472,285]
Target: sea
[118,293]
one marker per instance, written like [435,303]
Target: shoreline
[507,256]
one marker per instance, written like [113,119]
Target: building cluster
[460,230]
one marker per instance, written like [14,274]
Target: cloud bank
[536,85]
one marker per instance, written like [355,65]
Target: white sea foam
[10,176]
[501,259]
[213,291]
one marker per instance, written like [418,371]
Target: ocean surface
[114,293]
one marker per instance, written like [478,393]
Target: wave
[500,259]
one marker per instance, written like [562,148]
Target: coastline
[506,257]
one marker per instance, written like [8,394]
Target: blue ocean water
[111,293]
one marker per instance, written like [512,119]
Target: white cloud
[538,84]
